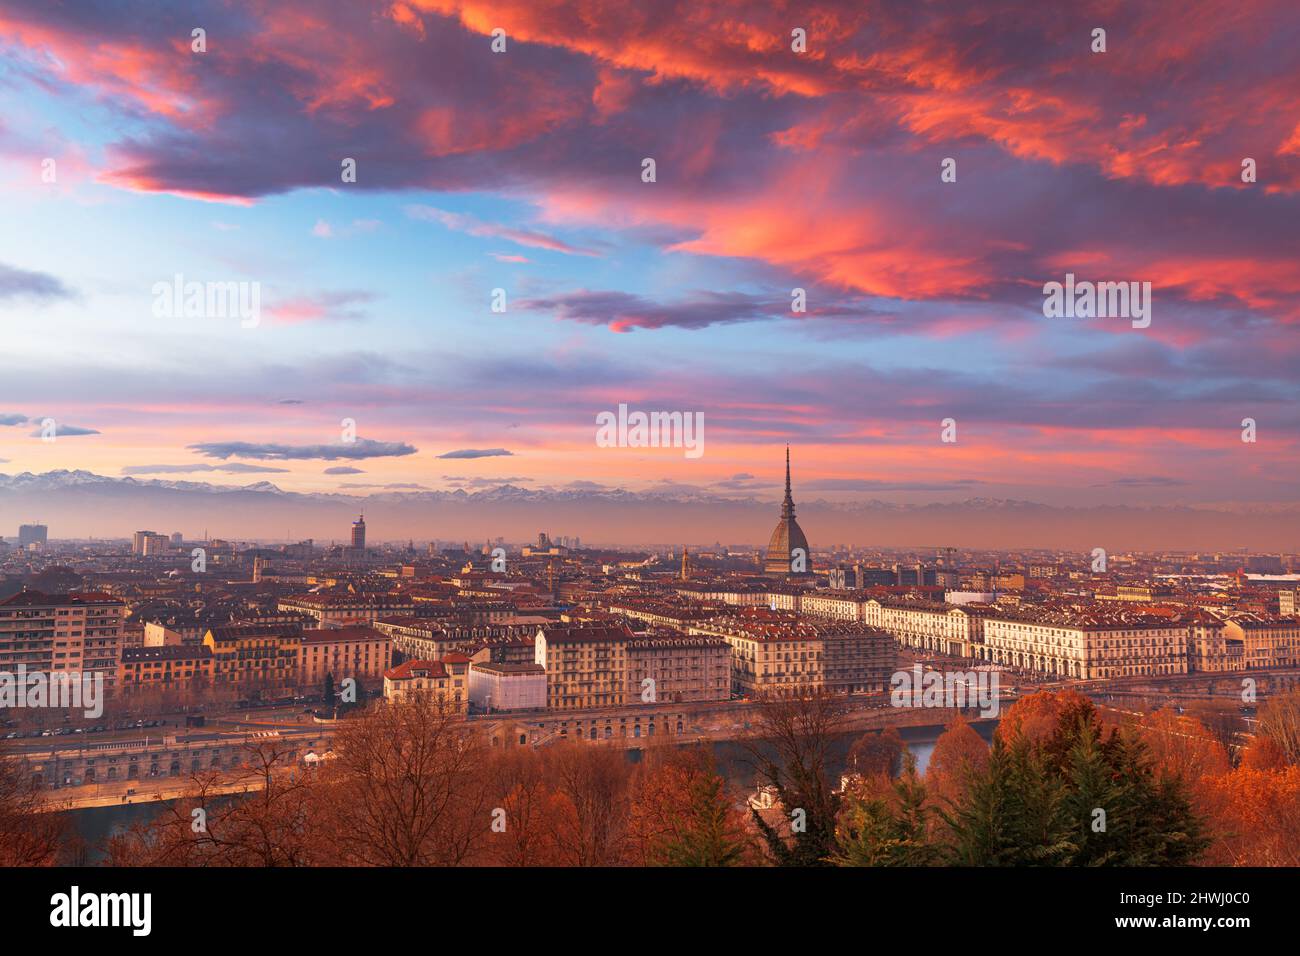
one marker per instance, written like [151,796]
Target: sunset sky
[775,170]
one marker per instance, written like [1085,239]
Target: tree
[408,787]
[30,832]
[532,811]
[1013,814]
[958,753]
[359,689]
[791,750]
[1098,801]
[1181,748]
[1279,720]
[1128,812]
[1223,723]
[879,831]
[1045,714]
[1257,818]
[327,693]
[877,753]
[270,824]
[1262,753]
[1160,826]
[1072,793]
[595,782]
[681,815]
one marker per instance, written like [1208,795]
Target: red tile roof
[407,670]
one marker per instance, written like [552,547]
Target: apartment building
[77,632]
[446,680]
[782,651]
[738,594]
[358,652]
[1266,641]
[856,658]
[1209,648]
[667,666]
[188,625]
[157,634]
[340,610]
[1287,604]
[835,604]
[770,651]
[1087,643]
[679,615]
[788,598]
[169,667]
[586,666]
[424,639]
[506,641]
[255,655]
[930,625]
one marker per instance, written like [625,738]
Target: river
[97,824]
[735,763]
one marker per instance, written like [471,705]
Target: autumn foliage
[1062,784]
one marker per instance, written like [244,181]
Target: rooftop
[509,669]
[75,598]
[413,669]
[171,652]
[580,634]
[327,635]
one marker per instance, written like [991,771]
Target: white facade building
[507,686]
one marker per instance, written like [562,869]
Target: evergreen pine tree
[709,835]
[873,832]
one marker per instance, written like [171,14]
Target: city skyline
[612,517]
[776,171]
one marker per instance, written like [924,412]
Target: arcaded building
[1088,644]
